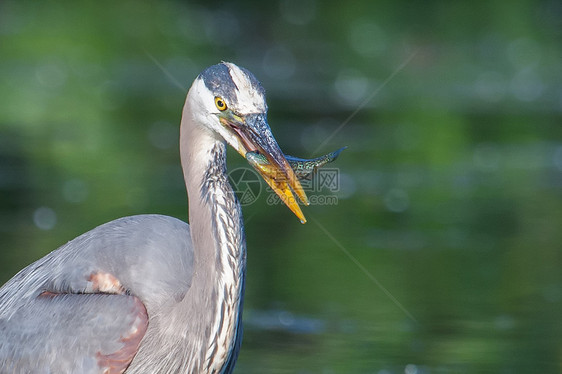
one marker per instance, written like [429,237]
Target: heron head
[230,102]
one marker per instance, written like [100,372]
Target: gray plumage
[150,293]
[63,334]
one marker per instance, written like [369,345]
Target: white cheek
[203,107]
[207,101]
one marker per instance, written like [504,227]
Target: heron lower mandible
[149,293]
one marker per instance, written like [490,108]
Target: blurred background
[442,251]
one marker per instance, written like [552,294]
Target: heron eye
[221,105]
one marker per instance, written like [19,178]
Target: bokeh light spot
[44,218]
[396,200]
[351,86]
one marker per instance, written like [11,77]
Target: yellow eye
[219,102]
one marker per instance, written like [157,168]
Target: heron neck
[216,224]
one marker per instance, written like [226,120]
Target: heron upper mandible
[149,293]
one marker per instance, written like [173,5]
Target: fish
[303,167]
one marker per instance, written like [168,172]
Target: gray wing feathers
[72,333]
[150,256]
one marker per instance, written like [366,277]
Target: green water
[437,250]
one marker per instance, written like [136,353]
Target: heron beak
[254,135]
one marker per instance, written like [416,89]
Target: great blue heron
[149,293]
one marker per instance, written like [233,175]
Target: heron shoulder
[150,255]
